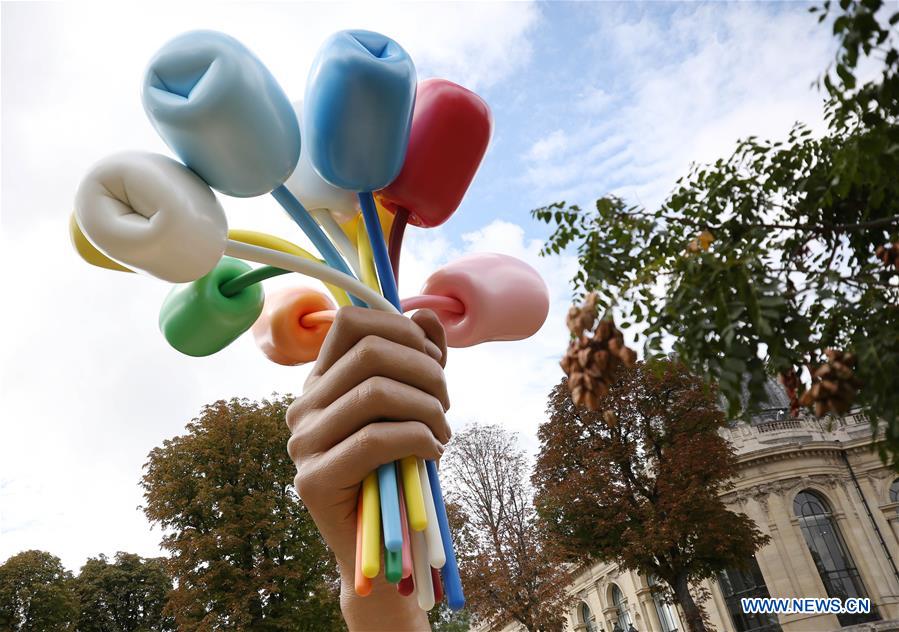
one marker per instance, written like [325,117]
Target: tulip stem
[378,248]
[313,231]
[452,583]
[431,301]
[339,238]
[397,230]
[314,269]
[245,280]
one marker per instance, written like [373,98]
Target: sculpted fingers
[375,400]
[375,356]
[349,461]
[346,464]
[430,324]
[352,324]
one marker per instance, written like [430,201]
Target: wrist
[384,609]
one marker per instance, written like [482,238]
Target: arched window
[588,618]
[748,582]
[832,559]
[894,491]
[667,615]
[618,599]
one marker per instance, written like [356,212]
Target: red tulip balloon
[451,128]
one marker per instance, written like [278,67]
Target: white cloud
[686,88]
[594,100]
[547,149]
[88,384]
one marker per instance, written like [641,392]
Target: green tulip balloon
[197,319]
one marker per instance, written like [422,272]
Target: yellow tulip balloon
[88,251]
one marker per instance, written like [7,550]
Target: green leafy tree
[763,261]
[245,553]
[127,595]
[639,483]
[36,594]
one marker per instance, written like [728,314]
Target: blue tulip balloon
[222,112]
[358,110]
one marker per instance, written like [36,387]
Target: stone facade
[780,457]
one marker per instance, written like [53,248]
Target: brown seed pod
[592,361]
[835,386]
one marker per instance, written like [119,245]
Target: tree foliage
[762,261]
[640,486]
[245,553]
[442,619]
[36,594]
[507,573]
[127,595]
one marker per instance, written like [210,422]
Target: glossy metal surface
[358,109]
[222,112]
[153,214]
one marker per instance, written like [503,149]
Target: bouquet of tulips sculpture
[373,140]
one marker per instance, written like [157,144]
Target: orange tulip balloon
[280,331]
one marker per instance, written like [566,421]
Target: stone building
[831,508]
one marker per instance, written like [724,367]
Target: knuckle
[299,412]
[425,315]
[345,320]
[377,389]
[295,446]
[366,392]
[435,409]
[344,316]
[369,350]
[419,432]
[408,324]
[368,439]
[304,483]
[415,331]
[295,413]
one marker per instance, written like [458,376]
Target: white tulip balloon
[329,205]
[153,214]
[313,191]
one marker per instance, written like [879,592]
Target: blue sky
[588,98]
[578,119]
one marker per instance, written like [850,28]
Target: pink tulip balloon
[504,299]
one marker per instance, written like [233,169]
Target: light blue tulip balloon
[222,112]
[358,110]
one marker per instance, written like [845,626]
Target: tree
[245,553]
[639,483]
[36,594]
[780,259]
[507,572]
[128,595]
[442,619]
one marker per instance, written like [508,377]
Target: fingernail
[433,350]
